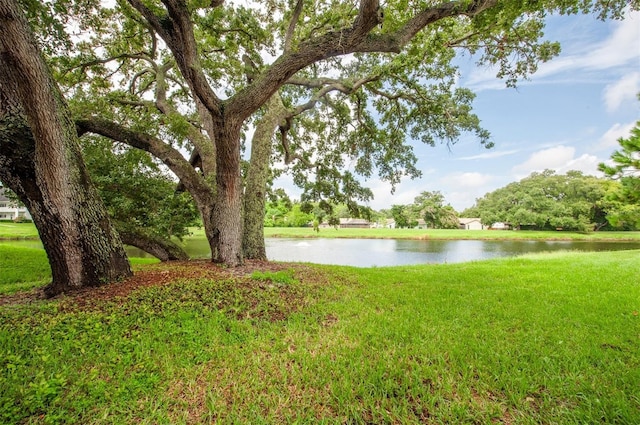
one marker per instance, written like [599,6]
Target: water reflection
[393,252]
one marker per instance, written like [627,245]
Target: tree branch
[171,157]
[333,43]
[355,39]
[297,11]
[84,65]
[336,85]
[134,80]
[176,29]
[395,41]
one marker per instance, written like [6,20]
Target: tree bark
[227,208]
[257,177]
[162,249]
[40,161]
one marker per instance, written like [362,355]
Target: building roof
[353,221]
[2,195]
[469,220]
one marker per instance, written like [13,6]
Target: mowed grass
[23,268]
[10,230]
[552,338]
[28,231]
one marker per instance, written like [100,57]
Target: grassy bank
[28,231]
[22,268]
[549,338]
[10,230]
[26,268]
[307,232]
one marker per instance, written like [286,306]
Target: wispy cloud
[468,180]
[623,90]
[618,50]
[610,138]
[488,155]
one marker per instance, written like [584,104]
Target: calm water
[393,252]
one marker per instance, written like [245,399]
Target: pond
[392,252]
[395,252]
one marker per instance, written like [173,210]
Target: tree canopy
[547,200]
[430,206]
[140,197]
[625,211]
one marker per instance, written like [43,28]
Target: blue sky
[567,116]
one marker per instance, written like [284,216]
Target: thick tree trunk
[227,209]
[82,247]
[257,178]
[162,249]
[40,161]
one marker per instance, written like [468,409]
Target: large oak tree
[40,161]
[546,200]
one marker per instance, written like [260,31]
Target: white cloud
[404,194]
[560,159]
[586,163]
[462,189]
[465,199]
[470,180]
[489,155]
[610,138]
[622,91]
[552,158]
[286,182]
[620,48]
[484,79]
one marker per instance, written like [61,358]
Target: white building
[9,210]
[471,224]
[354,223]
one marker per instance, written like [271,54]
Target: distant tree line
[572,201]
[547,200]
[542,201]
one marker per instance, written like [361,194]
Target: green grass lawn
[10,230]
[552,338]
[22,268]
[26,268]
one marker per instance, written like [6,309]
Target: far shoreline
[453,234]
[7,235]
